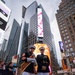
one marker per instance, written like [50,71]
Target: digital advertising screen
[4,15]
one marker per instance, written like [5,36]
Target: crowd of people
[29,64]
[6,69]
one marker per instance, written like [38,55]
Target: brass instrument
[24,65]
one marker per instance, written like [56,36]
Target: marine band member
[43,63]
[29,57]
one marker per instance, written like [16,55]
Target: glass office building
[10,46]
[38,25]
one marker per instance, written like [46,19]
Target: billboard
[4,15]
[40,22]
[46,52]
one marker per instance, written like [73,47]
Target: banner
[40,22]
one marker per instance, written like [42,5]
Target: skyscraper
[39,27]
[10,46]
[66,23]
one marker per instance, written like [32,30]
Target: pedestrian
[9,66]
[1,67]
[43,63]
[9,69]
[29,62]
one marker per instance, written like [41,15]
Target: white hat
[41,48]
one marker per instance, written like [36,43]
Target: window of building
[66,33]
[60,25]
[65,30]
[68,40]
[71,7]
[73,54]
[70,45]
[74,5]
[64,27]
[72,12]
[63,24]
[71,49]
[67,50]
[61,28]
[62,31]
[74,43]
[65,41]
[63,34]
[64,38]
[67,37]
[66,46]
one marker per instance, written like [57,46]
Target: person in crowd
[43,63]
[9,68]
[1,67]
[30,61]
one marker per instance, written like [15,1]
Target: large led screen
[40,22]
[2,23]
[47,52]
[61,46]
[4,15]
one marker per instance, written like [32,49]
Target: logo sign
[4,15]
[40,22]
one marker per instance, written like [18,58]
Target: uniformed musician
[29,57]
[43,63]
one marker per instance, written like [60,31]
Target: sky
[50,7]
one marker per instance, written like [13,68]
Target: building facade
[66,22]
[35,32]
[39,29]
[10,46]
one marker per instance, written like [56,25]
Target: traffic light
[64,64]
